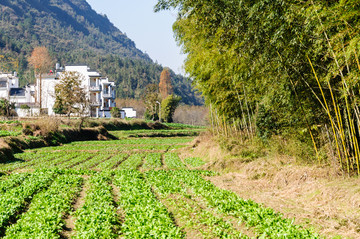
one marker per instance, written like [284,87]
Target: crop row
[172,161]
[112,162]
[152,161]
[97,218]
[13,200]
[25,160]
[11,181]
[79,158]
[133,162]
[93,161]
[145,216]
[266,222]
[190,212]
[44,219]
[59,158]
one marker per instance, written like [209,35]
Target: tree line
[278,67]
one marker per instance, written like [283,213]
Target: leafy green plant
[44,218]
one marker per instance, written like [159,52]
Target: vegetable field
[127,188]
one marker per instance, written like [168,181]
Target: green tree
[151,99]
[70,96]
[168,107]
[115,112]
[6,108]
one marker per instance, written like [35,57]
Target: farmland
[128,188]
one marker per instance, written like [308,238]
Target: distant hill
[74,33]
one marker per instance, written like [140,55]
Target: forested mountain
[74,33]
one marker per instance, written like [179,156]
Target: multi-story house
[10,90]
[100,90]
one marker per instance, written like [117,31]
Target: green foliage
[145,215]
[265,123]
[24,107]
[97,218]
[6,108]
[70,97]
[115,112]
[300,60]
[168,107]
[46,207]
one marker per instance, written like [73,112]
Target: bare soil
[315,196]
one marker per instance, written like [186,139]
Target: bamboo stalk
[328,112]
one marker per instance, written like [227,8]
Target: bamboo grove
[277,67]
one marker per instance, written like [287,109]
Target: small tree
[115,112]
[150,98]
[70,97]
[168,107]
[41,61]
[6,108]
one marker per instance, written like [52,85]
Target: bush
[115,112]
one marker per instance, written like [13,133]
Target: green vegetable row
[14,200]
[266,222]
[188,211]
[172,161]
[152,161]
[44,219]
[145,216]
[97,218]
[133,162]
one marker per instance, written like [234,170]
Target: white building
[10,90]
[100,90]
[129,112]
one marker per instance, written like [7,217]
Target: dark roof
[17,92]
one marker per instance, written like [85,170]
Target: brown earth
[316,196]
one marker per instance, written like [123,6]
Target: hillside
[75,33]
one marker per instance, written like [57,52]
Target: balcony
[95,88]
[107,95]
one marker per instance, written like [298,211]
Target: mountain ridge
[74,32]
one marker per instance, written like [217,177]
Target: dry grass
[43,126]
[317,196]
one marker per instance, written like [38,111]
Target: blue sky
[151,32]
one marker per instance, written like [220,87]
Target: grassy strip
[172,161]
[15,199]
[97,218]
[44,219]
[145,216]
[266,222]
